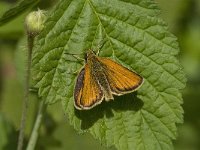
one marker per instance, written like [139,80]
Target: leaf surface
[134,36]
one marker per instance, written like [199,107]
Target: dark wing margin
[78,88]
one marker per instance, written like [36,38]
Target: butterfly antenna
[99,46]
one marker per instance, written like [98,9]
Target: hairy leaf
[134,36]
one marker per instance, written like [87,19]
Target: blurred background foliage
[183,18]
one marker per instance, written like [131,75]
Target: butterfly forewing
[87,92]
[121,79]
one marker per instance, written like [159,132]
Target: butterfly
[101,78]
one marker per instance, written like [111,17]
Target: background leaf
[13,29]
[16,10]
[135,37]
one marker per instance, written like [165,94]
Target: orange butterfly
[102,78]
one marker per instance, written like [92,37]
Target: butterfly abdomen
[102,80]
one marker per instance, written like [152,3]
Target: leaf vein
[151,130]
[137,5]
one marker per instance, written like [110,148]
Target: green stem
[26,94]
[35,132]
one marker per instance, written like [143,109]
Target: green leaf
[16,10]
[135,37]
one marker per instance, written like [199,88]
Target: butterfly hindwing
[121,79]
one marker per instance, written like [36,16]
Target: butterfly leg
[76,72]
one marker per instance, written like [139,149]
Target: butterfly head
[90,53]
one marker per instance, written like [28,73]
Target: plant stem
[26,94]
[34,134]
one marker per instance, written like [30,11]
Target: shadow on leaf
[128,102]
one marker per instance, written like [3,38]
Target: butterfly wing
[87,92]
[121,79]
